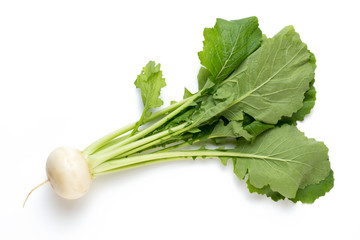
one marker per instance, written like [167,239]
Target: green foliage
[271,83]
[255,128]
[252,92]
[227,44]
[290,161]
[306,195]
[203,77]
[150,81]
[233,129]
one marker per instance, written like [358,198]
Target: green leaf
[233,114]
[256,127]
[307,195]
[312,192]
[272,81]
[150,82]
[285,160]
[194,130]
[233,129]
[228,44]
[203,77]
[187,93]
[179,119]
[265,190]
[268,85]
[308,104]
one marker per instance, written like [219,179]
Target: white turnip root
[68,172]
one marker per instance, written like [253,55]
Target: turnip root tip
[34,190]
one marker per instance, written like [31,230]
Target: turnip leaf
[272,81]
[150,81]
[227,44]
[290,161]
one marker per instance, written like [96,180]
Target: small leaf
[233,129]
[233,114]
[181,118]
[150,82]
[228,44]
[203,77]
[194,130]
[256,127]
[219,140]
[224,160]
[187,93]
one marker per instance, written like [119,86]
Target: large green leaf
[271,82]
[269,85]
[228,44]
[284,159]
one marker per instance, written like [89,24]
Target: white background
[66,78]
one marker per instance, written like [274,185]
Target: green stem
[136,165]
[123,162]
[139,123]
[100,157]
[150,145]
[119,148]
[112,142]
[102,141]
[179,145]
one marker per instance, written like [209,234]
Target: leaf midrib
[231,53]
[247,94]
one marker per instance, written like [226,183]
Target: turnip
[68,172]
[251,94]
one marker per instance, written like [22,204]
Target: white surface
[66,78]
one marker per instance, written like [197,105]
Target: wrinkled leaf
[307,195]
[289,161]
[268,85]
[271,82]
[312,192]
